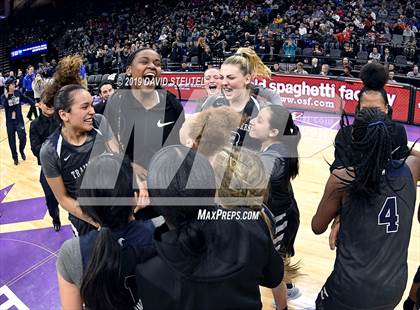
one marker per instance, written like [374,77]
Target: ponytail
[101,287]
[372,152]
[249,63]
[66,73]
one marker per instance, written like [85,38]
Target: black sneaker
[23,156]
[57,226]
[16,162]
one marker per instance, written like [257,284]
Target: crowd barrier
[306,92]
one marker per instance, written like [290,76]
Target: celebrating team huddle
[138,177]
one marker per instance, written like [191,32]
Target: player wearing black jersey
[237,73]
[143,116]
[375,198]
[41,128]
[65,154]
[279,137]
[372,95]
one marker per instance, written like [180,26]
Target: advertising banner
[300,92]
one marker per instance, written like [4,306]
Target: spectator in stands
[263,49]
[410,47]
[408,33]
[382,13]
[317,50]
[100,54]
[27,86]
[348,51]
[201,45]
[185,68]
[289,49]
[105,90]
[2,80]
[325,70]
[207,57]
[315,68]
[302,31]
[108,56]
[346,72]
[276,68]
[300,69]
[375,56]
[387,57]
[11,75]
[391,75]
[391,67]
[345,62]
[344,36]
[414,73]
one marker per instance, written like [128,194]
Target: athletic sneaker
[57,225]
[292,291]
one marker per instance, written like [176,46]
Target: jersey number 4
[389,215]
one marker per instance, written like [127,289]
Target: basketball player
[12,101]
[375,198]
[202,259]
[66,153]
[41,128]
[236,73]
[279,137]
[97,269]
[212,83]
[373,94]
[143,116]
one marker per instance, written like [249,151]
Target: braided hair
[371,154]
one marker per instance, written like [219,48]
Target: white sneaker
[293,292]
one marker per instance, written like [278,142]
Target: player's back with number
[371,263]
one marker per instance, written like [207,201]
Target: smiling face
[212,81]
[105,91]
[145,69]
[234,82]
[80,115]
[261,129]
